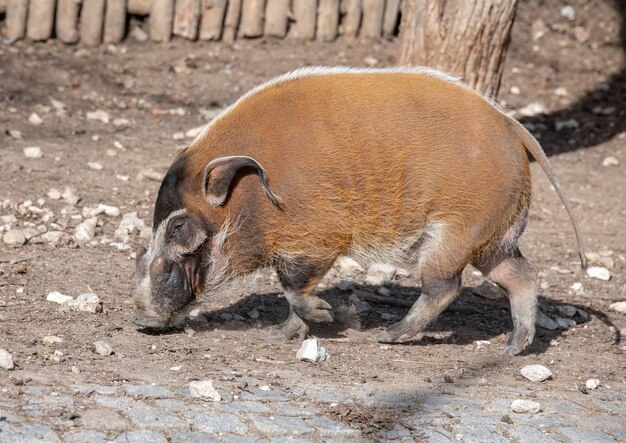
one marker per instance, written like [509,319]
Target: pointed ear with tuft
[219,174]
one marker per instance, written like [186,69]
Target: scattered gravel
[99,115]
[536,372]
[86,231]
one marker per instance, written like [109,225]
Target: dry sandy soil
[161,89]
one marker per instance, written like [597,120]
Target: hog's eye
[176,228]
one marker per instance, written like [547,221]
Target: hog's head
[186,258]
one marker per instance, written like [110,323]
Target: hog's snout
[164,288]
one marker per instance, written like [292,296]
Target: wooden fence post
[351,10]
[390,19]
[40,19]
[373,11]
[16,19]
[328,20]
[115,21]
[305,15]
[231,22]
[212,19]
[91,22]
[139,7]
[252,13]
[276,18]
[161,19]
[66,25]
[187,18]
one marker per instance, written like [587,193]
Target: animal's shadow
[468,319]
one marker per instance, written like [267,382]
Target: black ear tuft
[219,174]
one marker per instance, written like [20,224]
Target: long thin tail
[536,151]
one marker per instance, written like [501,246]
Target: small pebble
[54,194]
[57,297]
[568,12]
[85,231]
[515,90]
[96,166]
[99,115]
[619,306]
[599,272]
[70,196]
[525,407]
[610,161]
[536,373]
[370,61]
[592,383]
[194,132]
[379,273]
[35,119]
[14,237]
[33,152]
[103,348]
[312,351]
[6,360]
[204,390]
[51,340]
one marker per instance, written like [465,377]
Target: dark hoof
[294,327]
[148,322]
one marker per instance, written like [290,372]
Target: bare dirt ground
[161,90]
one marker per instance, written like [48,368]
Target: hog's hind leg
[298,280]
[518,277]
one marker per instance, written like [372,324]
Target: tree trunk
[16,19]
[40,19]
[186,19]
[351,10]
[373,12]
[304,14]
[328,20]
[161,19]
[231,22]
[212,19]
[91,22]
[67,21]
[469,39]
[115,21]
[276,18]
[139,7]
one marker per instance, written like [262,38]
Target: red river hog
[402,165]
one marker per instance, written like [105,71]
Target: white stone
[103,348]
[111,211]
[515,90]
[194,132]
[599,272]
[129,225]
[54,194]
[561,91]
[312,351]
[15,134]
[70,196]
[371,61]
[536,372]
[610,161]
[99,115]
[51,340]
[52,237]
[33,152]
[87,302]
[568,12]
[204,390]
[58,106]
[347,265]
[139,34]
[619,306]
[59,298]
[86,230]
[532,109]
[150,175]
[592,383]
[6,360]
[178,135]
[379,273]
[14,237]
[525,407]
[578,287]
[35,119]
[121,123]
[96,166]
